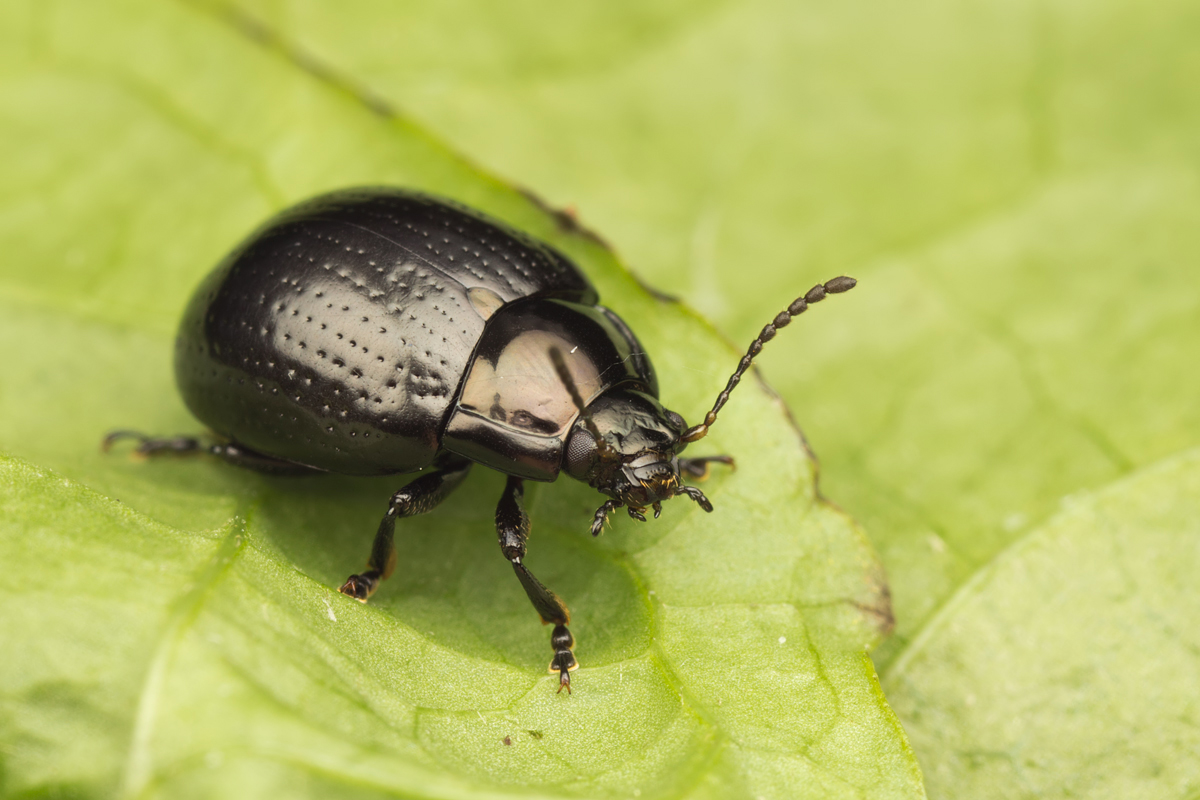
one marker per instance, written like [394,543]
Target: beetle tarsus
[637,514]
[149,445]
[698,496]
[115,436]
[564,660]
[602,515]
[360,587]
[698,468]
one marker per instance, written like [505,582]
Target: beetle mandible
[376,331]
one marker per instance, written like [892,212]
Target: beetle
[375,331]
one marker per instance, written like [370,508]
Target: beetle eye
[580,453]
[677,421]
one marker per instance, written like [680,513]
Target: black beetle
[378,331]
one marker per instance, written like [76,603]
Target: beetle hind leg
[229,452]
[418,497]
[153,445]
[512,528]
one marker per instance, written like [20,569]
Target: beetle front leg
[601,515]
[418,497]
[512,528]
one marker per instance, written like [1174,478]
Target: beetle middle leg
[512,527]
[421,496]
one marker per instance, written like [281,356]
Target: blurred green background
[1007,403]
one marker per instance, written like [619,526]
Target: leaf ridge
[139,768]
[161,104]
[964,592]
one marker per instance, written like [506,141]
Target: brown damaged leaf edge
[567,221]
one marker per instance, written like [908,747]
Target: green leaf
[1090,618]
[173,629]
[1014,183]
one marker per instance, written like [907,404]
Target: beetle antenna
[564,375]
[798,306]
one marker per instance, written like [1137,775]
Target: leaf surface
[179,625]
[1090,617]
[1015,185]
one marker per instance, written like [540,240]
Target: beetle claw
[657,510]
[360,587]
[114,437]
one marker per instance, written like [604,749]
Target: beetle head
[627,445]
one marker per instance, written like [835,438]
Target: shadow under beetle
[377,331]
